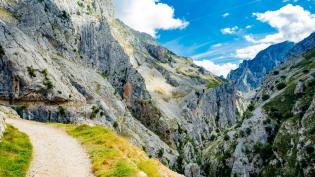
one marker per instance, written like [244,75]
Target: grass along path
[114,156]
[55,154]
[15,153]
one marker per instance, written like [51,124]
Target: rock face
[275,135]
[72,61]
[251,73]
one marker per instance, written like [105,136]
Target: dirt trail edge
[55,154]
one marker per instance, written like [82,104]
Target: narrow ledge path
[55,154]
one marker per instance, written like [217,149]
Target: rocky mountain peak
[250,73]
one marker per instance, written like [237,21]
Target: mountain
[276,135]
[251,73]
[74,62]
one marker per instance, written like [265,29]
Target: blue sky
[219,34]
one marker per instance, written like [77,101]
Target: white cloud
[148,15]
[251,51]
[293,23]
[226,15]
[248,26]
[219,70]
[232,30]
[250,38]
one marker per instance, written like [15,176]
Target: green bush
[265,97]
[64,15]
[226,137]
[281,85]
[95,111]
[115,125]
[160,153]
[1,52]
[80,4]
[45,73]
[248,131]
[61,111]
[48,83]
[31,71]
[247,114]
[251,107]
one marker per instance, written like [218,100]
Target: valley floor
[54,152]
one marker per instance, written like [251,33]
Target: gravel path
[55,154]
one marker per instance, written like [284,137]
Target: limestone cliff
[72,61]
[275,137]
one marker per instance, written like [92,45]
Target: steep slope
[72,61]
[251,73]
[276,135]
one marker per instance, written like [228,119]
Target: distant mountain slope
[276,135]
[251,73]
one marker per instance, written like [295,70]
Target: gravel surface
[55,154]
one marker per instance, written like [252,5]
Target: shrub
[80,4]
[305,71]
[275,73]
[309,149]
[251,107]
[95,111]
[104,75]
[160,153]
[31,71]
[45,73]
[268,130]
[48,83]
[1,52]
[61,110]
[266,151]
[242,134]
[265,97]
[257,148]
[247,114]
[78,13]
[281,85]
[226,137]
[115,125]
[64,15]
[267,121]
[248,131]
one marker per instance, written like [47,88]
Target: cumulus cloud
[232,30]
[292,23]
[148,15]
[219,70]
[251,51]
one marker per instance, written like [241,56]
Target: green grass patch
[15,153]
[280,107]
[112,155]
[212,84]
